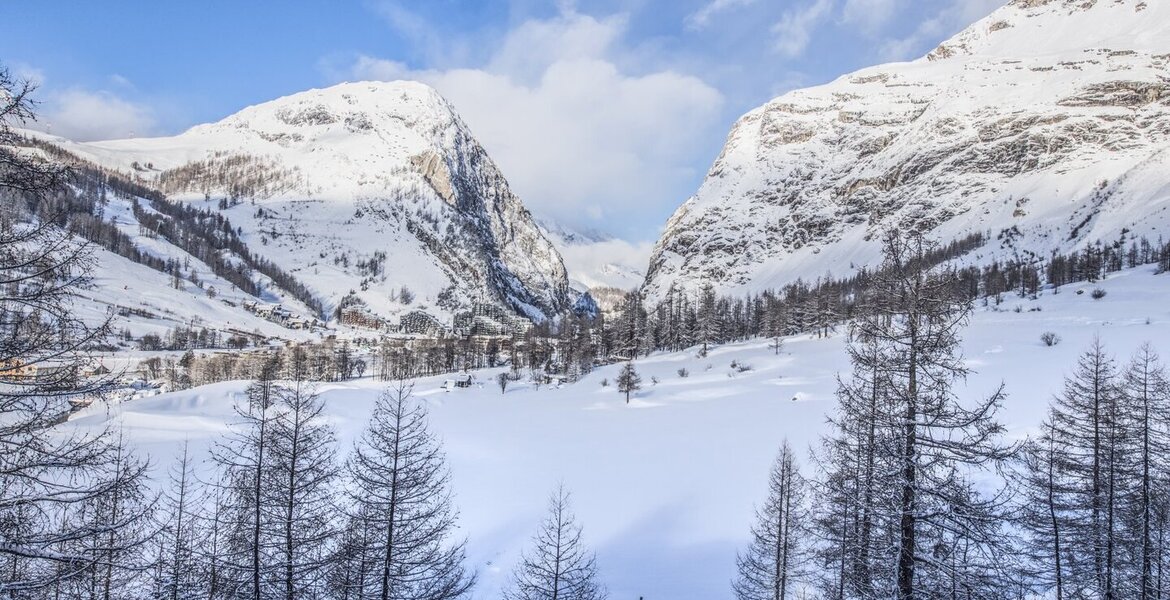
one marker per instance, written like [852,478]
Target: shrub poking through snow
[1049,338]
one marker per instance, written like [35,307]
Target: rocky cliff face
[362,190]
[1048,121]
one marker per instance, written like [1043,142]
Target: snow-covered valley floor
[665,486]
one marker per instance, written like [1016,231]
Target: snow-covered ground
[666,485]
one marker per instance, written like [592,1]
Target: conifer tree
[301,474]
[244,459]
[558,565]
[1146,397]
[1088,426]
[928,444]
[179,569]
[628,380]
[399,541]
[771,568]
[68,500]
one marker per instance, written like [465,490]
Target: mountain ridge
[361,189]
[991,132]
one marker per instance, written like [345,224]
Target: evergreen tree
[398,542]
[1087,425]
[628,380]
[178,572]
[558,566]
[771,567]
[301,475]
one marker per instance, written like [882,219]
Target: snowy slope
[368,187]
[142,300]
[665,486]
[594,259]
[1050,118]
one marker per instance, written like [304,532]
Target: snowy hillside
[595,259]
[1048,120]
[666,485]
[143,301]
[365,187]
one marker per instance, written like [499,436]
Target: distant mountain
[1046,124]
[595,259]
[360,191]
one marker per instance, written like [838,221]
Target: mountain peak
[356,107]
[362,189]
[1045,120]
[1026,27]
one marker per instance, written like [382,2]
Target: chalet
[15,369]
[464,382]
[95,370]
[299,323]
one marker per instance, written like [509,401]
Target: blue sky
[603,114]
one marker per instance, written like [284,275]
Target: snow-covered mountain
[597,260]
[1046,124]
[362,188]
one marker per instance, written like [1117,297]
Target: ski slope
[666,486]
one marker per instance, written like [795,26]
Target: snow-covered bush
[1097,294]
[1049,338]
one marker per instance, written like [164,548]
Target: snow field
[666,486]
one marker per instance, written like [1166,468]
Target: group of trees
[683,320]
[574,344]
[1097,508]
[284,518]
[77,203]
[190,338]
[901,504]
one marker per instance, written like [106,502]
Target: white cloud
[794,30]
[85,115]
[613,263]
[534,46]
[579,139]
[702,17]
